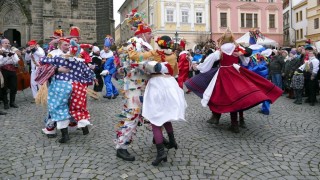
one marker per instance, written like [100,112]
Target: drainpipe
[210,19]
[295,35]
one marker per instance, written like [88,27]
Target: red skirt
[236,91]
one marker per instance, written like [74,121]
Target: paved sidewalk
[283,145]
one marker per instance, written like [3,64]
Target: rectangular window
[297,34]
[184,16]
[255,20]
[223,20]
[316,23]
[301,33]
[199,17]
[248,20]
[272,23]
[297,17]
[169,15]
[242,20]
[300,16]
[74,3]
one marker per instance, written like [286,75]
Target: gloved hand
[104,73]
[10,54]
[92,66]
[33,50]
[237,67]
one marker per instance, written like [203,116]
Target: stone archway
[15,20]
[14,37]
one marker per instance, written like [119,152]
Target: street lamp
[176,36]
[59,23]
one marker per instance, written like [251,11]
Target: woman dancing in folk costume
[234,88]
[108,68]
[161,94]
[134,83]
[71,75]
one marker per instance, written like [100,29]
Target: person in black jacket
[97,62]
[276,68]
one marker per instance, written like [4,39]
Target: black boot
[234,128]
[85,130]
[165,141]
[2,113]
[242,123]
[161,155]
[172,142]
[214,119]
[125,155]
[65,136]
[12,100]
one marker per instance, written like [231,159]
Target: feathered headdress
[134,18]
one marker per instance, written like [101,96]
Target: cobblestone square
[283,145]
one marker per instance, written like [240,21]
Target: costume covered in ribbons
[134,83]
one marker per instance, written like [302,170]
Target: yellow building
[313,17]
[117,35]
[183,19]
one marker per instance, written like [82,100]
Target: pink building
[242,15]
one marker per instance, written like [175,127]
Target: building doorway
[14,37]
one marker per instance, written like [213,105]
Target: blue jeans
[277,80]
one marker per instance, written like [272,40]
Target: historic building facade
[313,18]
[182,19]
[242,15]
[22,20]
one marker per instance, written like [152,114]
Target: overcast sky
[116,5]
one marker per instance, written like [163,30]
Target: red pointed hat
[74,32]
[142,29]
[182,44]
[32,42]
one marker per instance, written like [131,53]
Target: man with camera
[35,53]
[8,62]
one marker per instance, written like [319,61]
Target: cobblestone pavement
[283,145]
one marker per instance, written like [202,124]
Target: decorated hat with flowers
[164,42]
